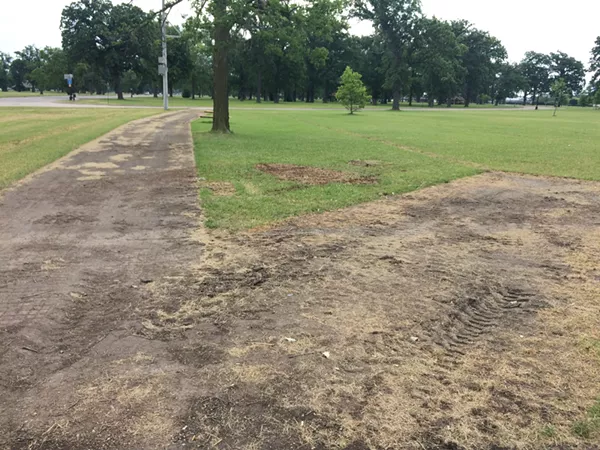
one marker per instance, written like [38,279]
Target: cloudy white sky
[521,25]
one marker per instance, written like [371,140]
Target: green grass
[28,94]
[588,427]
[206,102]
[418,149]
[30,138]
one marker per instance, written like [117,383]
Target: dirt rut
[78,241]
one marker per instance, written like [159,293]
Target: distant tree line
[277,50]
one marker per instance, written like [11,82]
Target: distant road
[62,102]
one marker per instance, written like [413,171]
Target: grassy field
[30,138]
[29,94]
[413,150]
[206,102]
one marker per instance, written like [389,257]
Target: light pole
[165,69]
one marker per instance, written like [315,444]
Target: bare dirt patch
[312,175]
[463,316]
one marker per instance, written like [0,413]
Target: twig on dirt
[29,349]
[73,405]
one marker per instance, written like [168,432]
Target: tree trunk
[524,98]
[155,92]
[193,86]
[258,86]
[220,69]
[396,102]
[534,98]
[118,89]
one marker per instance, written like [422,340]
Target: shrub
[186,93]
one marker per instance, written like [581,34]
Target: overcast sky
[521,25]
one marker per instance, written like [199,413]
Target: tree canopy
[282,50]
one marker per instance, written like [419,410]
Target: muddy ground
[459,316]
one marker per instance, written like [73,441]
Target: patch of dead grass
[312,175]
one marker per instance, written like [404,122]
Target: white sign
[68,76]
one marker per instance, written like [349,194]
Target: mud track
[454,317]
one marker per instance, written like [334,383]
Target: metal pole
[164,55]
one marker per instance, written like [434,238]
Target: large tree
[50,73]
[396,21]
[5,60]
[437,59]
[535,67]
[595,63]
[30,56]
[18,74]
[113,38]
[509,81]
[570,70]
[481,60]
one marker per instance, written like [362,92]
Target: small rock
[414,338]
[146,280]
[134,286]
[290,339]
[326,354]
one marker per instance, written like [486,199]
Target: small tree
[558,90]
[352,92]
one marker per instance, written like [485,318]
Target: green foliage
[535,68]
[595,62]
[510,81]
[352,93]
[565,67]
[397,23]
[438,58]
[548,431]
[50,72]
[18,74]
[186,93]
[558,90]
[4,71]
[585,100]
[589,427]
[111,40]
[483,56]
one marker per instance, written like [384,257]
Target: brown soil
[312,175]
[457,317]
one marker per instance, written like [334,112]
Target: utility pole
[165,69]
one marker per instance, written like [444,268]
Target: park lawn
[206,102]
[416,149]
[532,142]
[30,138]
[272,137]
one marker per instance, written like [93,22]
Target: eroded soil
[312,175]
[459,316]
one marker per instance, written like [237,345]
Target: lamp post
[164,70]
